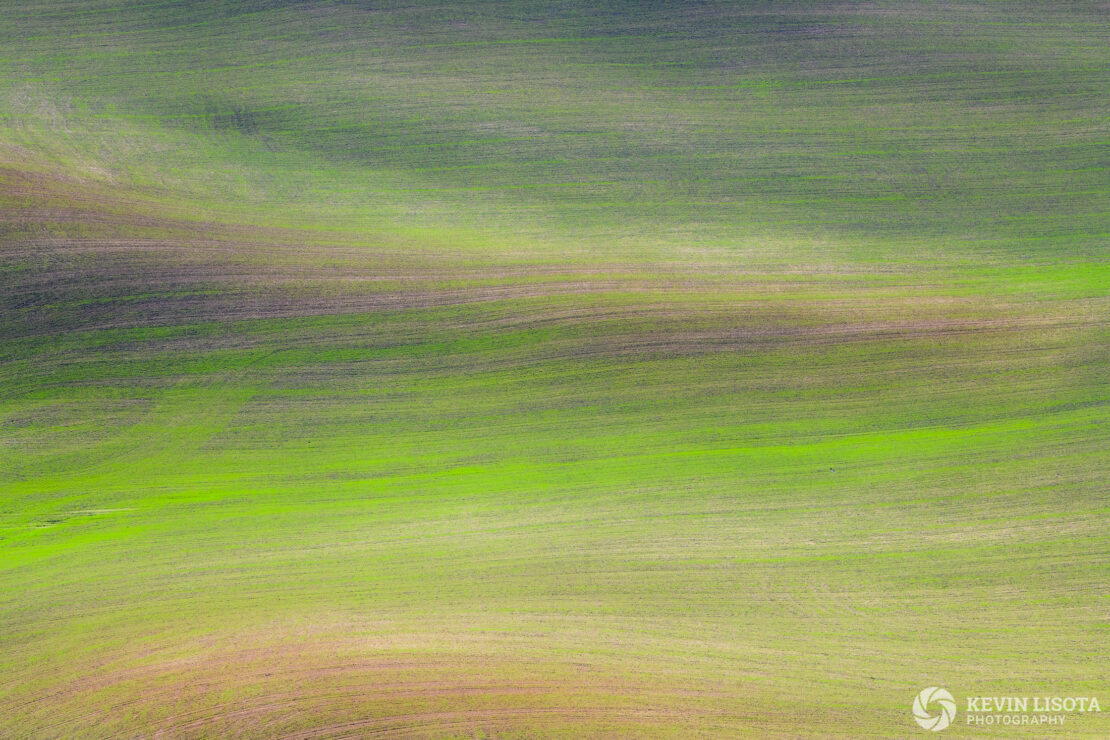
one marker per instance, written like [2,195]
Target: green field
[570,369]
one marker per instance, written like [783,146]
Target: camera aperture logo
[935,709]
[940,715]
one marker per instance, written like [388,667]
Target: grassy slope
[549,370]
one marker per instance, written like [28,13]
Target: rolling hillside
[511,369]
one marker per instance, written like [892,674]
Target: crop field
[563,369]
